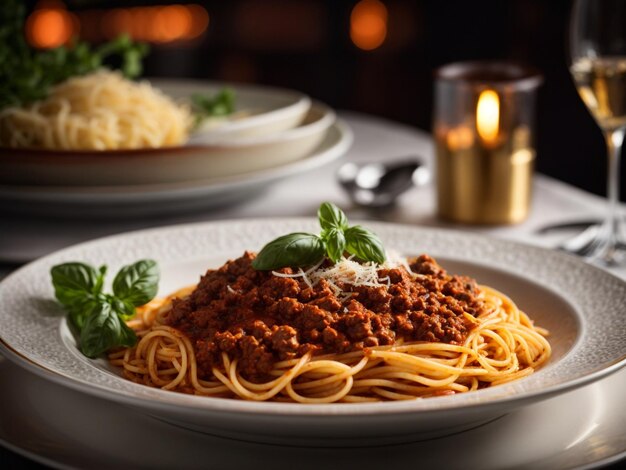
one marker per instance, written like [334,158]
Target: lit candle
[483,136]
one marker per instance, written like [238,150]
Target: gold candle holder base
[484,187]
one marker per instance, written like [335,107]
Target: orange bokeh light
[368,24]
[50,25]
[158,24]
[172,22]
[200,20]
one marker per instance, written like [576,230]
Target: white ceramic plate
[192,162]
[259,110]
[582,306]
[579,429]
[145,199]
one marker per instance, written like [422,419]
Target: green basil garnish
[335,243]
[221,104]
[104,330]
[336,237]
[295,249]
[331,217]
[99,317]
[137,284]
[78,286]
[364,244]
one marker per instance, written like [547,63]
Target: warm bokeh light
[460,138]
[368,24]
[158,24]
[50,25]
[488,115]
[199,20]
[172,22]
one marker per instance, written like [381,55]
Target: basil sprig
[336,237]
[205,106]
[98,317]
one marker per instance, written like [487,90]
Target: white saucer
[58,426]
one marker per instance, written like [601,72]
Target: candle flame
[488,115]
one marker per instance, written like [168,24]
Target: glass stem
[614,140]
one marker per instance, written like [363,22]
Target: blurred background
[370,56]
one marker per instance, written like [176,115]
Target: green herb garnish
[336,238]
[99,317]
[26,74]
[221,104]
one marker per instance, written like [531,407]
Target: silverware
[588,243]
[564,226]
[379,184]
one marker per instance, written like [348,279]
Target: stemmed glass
[598,66]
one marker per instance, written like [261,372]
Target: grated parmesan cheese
[348,271]
[231,290]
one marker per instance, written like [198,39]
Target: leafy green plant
[336,237]
[99,317]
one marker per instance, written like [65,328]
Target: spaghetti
[98,111]
[501,345]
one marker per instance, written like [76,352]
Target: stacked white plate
[273,133]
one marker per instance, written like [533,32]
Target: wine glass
[598,66]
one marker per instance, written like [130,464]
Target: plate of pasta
[79,115]
[73,148]
[104,111]
[455,331]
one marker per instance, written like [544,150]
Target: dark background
[306,45]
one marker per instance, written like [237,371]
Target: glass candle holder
[483,127]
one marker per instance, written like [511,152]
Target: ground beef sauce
[260,318]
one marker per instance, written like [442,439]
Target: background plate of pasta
[578,308]
[102,129]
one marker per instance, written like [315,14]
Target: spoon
[379,184]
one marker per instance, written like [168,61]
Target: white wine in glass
[601,83]
[598,66]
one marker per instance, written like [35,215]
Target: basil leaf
[75,284]
[123,308]
[137,283]
[79,315]
[335,244]
[221,104]
[104,330]
[364,244]
[295,249]
[330,216]
[102,271]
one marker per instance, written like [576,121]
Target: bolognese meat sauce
[261,318]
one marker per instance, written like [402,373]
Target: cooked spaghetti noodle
[501,345]
[99,111]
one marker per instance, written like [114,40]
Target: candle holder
[483,127]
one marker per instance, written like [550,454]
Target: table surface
[24,238]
